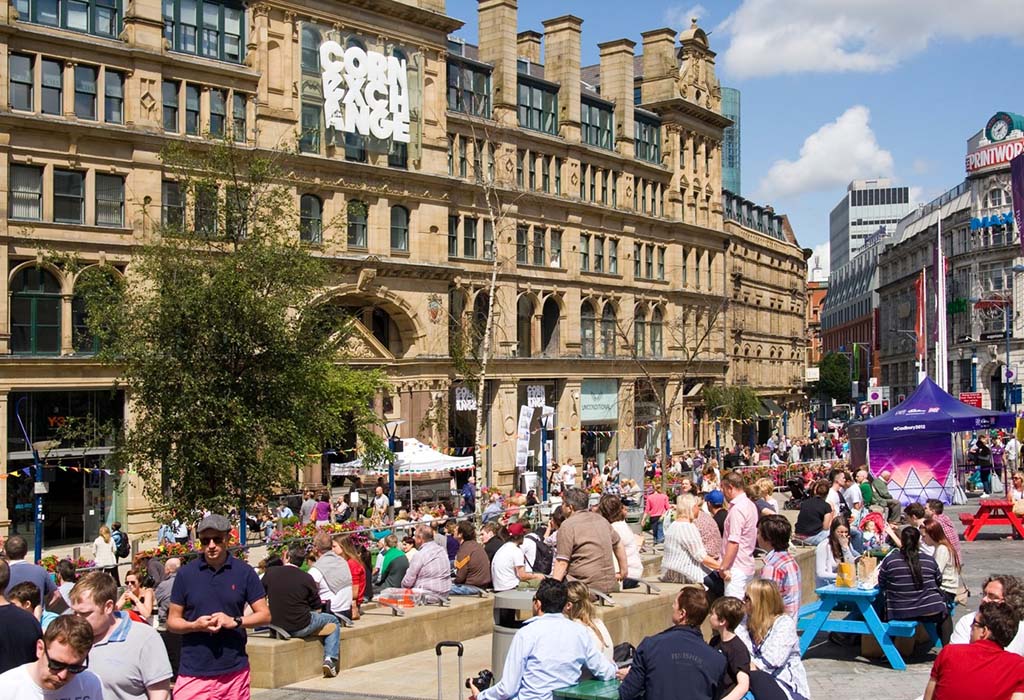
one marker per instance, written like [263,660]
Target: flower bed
[359,535]
[50,563]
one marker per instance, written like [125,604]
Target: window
[661,264]
[585,251]
[236,211]
[556,248]
[539,235]
[587,323]
[469,237]
[614,177]
[191,109]
[21,83]
[532,169]
[109,200]
[208,28]
[453,236]
[613,256]
[686,258]
[357,211]
[68,197]
[172,205]
[545,173]
[26,198]
[238,109]
[52,87]
[218,109]
[478,160]
[655,332]
[647,133]
[463,163]
[451,154]
[170,99]
[100,17]
[205,211]
[398,155]
[311,219]
[637,249]
[488,239]
[523,245]
[608,331]
[490,162]
[310,49]
[520,157]
[640,331]
[399,228]
[355,147]
[309,140]
[538,107]
[35,312]
[113,97]
[558,176]
[596,121]
[85,91]
[469,89]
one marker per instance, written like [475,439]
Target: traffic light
[885,405]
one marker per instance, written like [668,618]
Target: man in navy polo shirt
[208,609]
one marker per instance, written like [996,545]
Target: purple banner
[1017,192]
[921,466]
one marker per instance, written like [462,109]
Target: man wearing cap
[509,565]
[716,506]
[208,608]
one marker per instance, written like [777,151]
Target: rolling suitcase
[438,648]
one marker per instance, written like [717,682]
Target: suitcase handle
[441,645]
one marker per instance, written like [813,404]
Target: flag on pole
[920,326]
[1017,193]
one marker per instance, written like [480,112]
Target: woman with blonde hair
[685,559]
[770,636]
[764,489]
[104,553]
[581,609]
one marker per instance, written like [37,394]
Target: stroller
[798,494]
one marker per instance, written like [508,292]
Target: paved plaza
[834,671]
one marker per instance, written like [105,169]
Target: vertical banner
[1017,193]
[920,467]
[523,436]
[920,324]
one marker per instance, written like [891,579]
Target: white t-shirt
[17,684]
[529,548]
[381,502]
[503,568]
[568,473]
[833,500]
[853,495]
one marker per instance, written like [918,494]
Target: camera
[483,680]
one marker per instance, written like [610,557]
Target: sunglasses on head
[58,666]
[208,540]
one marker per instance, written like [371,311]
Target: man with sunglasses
[208,608]
[998,588]
[62,660]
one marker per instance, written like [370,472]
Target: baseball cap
[214,522]
[715,498]
[516,530]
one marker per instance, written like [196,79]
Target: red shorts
[231,686]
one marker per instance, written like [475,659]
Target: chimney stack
[617,85]
[528,46]
[562,66]
[497,39]
[660,65]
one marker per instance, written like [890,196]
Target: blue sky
[833,90]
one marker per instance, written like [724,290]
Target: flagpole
[924,327]
[941,349]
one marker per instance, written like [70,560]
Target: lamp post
[391,430]
[718,432]
[38,486]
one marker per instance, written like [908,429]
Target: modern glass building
[867,207]
[731,141]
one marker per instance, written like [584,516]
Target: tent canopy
[415,458]
[930,409]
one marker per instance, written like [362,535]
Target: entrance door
[997,395]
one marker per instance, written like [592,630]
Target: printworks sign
[365,92]
[995,154]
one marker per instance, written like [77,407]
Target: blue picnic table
[861,618]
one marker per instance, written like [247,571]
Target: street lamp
[391,430]
[718,433]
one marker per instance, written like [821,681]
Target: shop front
[74,432]
[599,419]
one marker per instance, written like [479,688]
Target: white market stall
[415,459]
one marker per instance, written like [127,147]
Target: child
[726,615]
[26,596]
[872,540]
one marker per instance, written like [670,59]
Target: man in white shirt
[508,567]
[998,588]
[1011,452]
[62,658]
[332,576]
[568,474]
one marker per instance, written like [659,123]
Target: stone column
[626,437]
[568,421]
[497,39]
[500,452]
[528,45]
[562,65]
[617,85]
[659,66]
[5,515]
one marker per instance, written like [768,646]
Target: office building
[867,206]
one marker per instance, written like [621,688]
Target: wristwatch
[238,622]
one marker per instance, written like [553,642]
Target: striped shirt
[430,570]
[783,568]
[684,553]
[904,600]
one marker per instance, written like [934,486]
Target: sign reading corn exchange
[365,92]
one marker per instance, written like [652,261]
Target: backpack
[124,548]
[545,557]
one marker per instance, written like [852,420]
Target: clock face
[999,130]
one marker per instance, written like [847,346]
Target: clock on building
[999,127]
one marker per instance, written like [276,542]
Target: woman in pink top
[655,506]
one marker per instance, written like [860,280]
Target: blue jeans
[820,537]
[857,540]
[465,589]
[332,642]
[658,529]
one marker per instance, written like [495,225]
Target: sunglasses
[130,581]
[979,625]
[58,666]
[207,540]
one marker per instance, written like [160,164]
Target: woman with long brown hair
[949,565]
[770,635]
[346,549]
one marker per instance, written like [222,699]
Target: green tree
[234,370]
[834,377]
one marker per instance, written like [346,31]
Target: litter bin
[506,622]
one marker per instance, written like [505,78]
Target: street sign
[885,393]
[1009,373]
[1015,394]
[865,409]
[875,395]
[971,398]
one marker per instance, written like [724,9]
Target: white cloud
[678,17]
[916,195]
[818,266]
[772,37]
[835,154]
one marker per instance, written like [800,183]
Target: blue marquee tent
[930,409]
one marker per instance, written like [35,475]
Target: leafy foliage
[231,365]
[732,402]
[834,377]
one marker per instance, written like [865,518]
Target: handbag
[962,591]
[1018,507]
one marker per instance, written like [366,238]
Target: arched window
[353,41]
[640,331]
[97,280]
[587,323]
[357,211]
[995,198]
[654,330]
[399,228]
[524,326]
[608,331]
[35,312]
[549,323]
[311,219]
[311,40]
